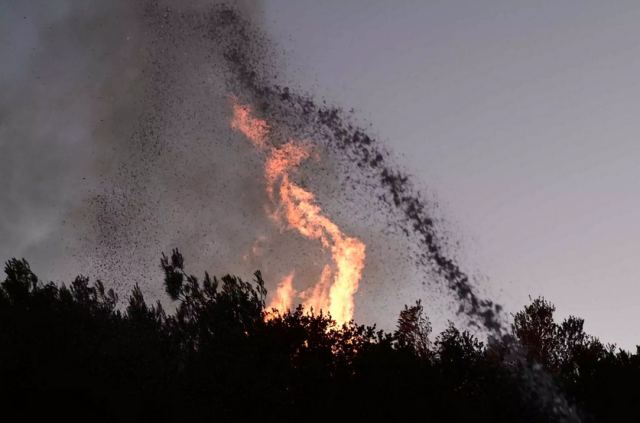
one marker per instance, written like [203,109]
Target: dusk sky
[520,116]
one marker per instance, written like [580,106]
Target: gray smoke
[114,140]
[59,104]
[117,147]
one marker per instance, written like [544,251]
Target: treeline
[217,358]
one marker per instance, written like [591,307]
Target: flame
[254,129]
[283,298]
[296,209]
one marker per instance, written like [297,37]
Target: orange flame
[254,129]
[283,297]
[296,209]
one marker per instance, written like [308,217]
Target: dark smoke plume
[300,114]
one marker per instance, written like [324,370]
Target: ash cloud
[114,139]
[66,76]
[370,166]
[117,146]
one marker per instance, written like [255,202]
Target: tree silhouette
[413,330]
[217,357]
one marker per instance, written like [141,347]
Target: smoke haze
[113,138]
[117,146]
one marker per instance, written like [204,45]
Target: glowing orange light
[295,208]
[283,298]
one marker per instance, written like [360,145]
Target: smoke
[58,89]
[117,147]
[368,165]
[114,140]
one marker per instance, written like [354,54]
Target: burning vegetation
[294,208]
[216,357]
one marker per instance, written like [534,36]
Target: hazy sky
[521,116]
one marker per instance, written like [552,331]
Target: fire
[254,129]
[283,298]
[295,208]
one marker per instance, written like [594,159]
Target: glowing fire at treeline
[293,207]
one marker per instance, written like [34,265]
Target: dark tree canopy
[216,357]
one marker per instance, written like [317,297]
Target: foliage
[216,357]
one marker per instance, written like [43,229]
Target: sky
[520,116]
